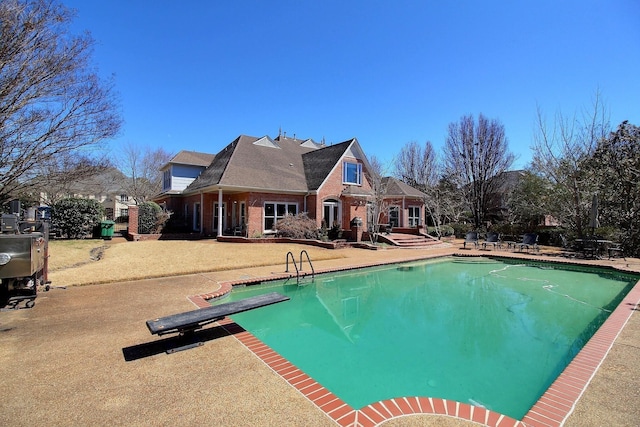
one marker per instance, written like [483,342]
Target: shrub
[445,231]
[461,229]
[75,218]
[151,218]
[298,227]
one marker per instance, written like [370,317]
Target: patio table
[601,245]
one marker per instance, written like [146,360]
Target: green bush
[298,227]
[151,218]
[461,229]
[75,218]
[445,231]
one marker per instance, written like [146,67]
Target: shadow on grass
[179,342]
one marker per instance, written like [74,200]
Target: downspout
[219,211]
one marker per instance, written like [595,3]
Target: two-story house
[253,182]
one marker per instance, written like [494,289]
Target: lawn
[82,262]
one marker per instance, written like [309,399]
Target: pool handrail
[293,260]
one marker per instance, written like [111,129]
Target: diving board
[191,320]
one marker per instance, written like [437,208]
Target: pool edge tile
[590,358]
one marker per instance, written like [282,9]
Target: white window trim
[215,216]
[333,203]
[345,164]
[275,213]
[409,208]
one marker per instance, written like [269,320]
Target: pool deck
[83,356]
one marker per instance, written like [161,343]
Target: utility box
[356,229]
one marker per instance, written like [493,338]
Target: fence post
[133,223]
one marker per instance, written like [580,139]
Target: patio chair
[590,247]
[471,237]
[569,249]
[615,250]
[529,241]
[492,239]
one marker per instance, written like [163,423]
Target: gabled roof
[396,188]
[192,158]
[319,163]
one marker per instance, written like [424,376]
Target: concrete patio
[83,356]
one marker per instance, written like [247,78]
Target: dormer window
[352,173]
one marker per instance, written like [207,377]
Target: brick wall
[332,189]
[133,219]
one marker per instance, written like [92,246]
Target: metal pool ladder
[293,261]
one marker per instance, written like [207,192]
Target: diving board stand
[185,324]
[189,321]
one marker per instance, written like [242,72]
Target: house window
[215,216]
[166,179]
[124,198]
[108,213]
[275,211]
[394,216]
[243,215]
[414,216]
[196,216]
[352,173]
[124,212]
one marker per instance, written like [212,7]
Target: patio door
[331,213]
[414,216]
[215,218]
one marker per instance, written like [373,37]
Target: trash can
[106,229]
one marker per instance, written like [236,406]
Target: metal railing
[293,261]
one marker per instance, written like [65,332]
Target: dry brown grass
[71,264]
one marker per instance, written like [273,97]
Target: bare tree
[52,103]
[419,168]
[475,153]
[378,204]
[142,166]
[558,153]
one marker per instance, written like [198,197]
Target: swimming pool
[487,332]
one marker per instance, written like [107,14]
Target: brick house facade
[253,182]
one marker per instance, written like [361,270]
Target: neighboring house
[252,183]
[106,187]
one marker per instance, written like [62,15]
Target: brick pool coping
[552,408]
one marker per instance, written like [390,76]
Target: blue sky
[194,75]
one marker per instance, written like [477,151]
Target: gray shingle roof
[261,166]
[319,163]
[282,164]
[192,158]
[396,188]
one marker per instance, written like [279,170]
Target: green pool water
[483,331]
